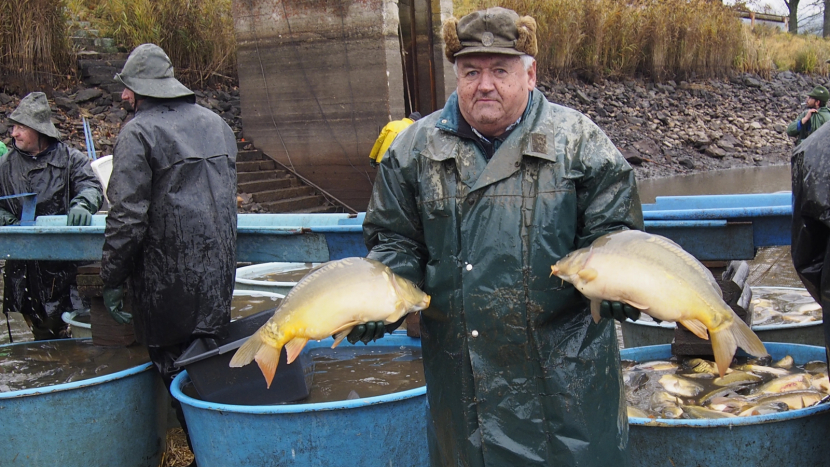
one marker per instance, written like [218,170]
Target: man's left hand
[618,310]
[78,216]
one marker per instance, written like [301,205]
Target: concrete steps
[269,188]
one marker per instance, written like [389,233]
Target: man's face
[26,139]
[812,103]
[493,90]
[129,96]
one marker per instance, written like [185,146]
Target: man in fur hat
[61,176]
[476,202]
[171,229]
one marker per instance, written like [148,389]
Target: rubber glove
[387,135]
[114,303]
[78,216]
[618,310]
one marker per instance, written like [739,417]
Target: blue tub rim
[75,384]
[182,378]
[732,421]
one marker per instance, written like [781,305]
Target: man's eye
[472,74]
[500,72]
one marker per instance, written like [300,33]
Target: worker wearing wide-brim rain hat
[35,113]
[148,71]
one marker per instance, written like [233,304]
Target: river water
[768,179]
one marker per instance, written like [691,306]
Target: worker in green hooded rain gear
[814,117]
[475,203]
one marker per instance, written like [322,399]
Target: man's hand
[78,216]
[114,303]
[618,310]
[366,333]
[807,116]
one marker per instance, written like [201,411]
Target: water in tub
[47,363]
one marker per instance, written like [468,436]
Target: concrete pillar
[318,79]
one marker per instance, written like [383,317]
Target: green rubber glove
[78,216]
[618,310]
[114,303]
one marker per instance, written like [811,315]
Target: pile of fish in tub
[691,388]
[777,305]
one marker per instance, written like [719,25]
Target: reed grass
[197,35]
[34,48]
[615,38]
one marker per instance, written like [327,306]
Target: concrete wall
[318,79]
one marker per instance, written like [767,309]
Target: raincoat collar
[532,137]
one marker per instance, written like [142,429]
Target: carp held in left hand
[656,276]
[329,301]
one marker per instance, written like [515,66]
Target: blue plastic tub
[113,420]
[387,430]
[797,437]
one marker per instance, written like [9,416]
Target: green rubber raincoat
[795,128]
[517,372]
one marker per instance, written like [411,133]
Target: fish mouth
[553,270]
[426,301]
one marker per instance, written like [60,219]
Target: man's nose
[486,82]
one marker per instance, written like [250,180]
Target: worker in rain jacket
[39,162]
[811,218]
[476,202]
[814,117]
[171,228]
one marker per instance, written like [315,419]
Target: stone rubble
[670,128]
[662,129]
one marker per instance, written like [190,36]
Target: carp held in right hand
[656,276]
[329,301]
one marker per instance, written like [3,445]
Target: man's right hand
[114,303]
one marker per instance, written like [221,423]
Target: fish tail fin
[726,341]
[747,339]
[723,346]
[246,353]
[267,358]
[255,348]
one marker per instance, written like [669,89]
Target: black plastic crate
[206,362]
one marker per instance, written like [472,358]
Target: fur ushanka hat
[491,31]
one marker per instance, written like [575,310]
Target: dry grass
[177,454]
[198,35]
[616,38]
[33,43]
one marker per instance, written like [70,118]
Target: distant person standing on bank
[171,228]
[816,115]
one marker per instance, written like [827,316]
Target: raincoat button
[474,333]
[444,121]
[469,267]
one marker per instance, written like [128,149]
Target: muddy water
[359,372]
[286,275]
[247,304]
[718,182]
[42,364]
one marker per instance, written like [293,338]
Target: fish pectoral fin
[294,347]
[338,338]
[595,310]
[341,332]
[588,274]
[696,327]
[636,305]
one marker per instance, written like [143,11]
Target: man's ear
[532,76]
